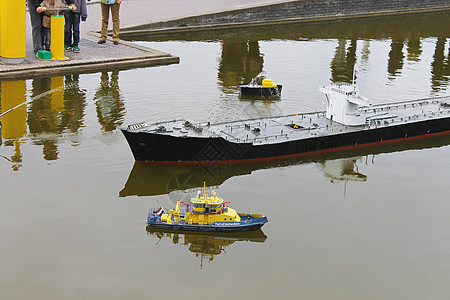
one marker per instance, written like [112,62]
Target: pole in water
[11,109]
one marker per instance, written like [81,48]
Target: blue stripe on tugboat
[205,213]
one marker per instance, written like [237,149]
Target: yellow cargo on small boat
[267,83]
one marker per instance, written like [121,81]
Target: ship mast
[204,190]
[354,77]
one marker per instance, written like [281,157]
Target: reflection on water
[414,48]
[206,245]
[74,104]
[343,61]
[13,93]
[109,102]
[55,106]
[147,180]
[65,141]
[440,67]
[239,62]
[411,30]
[344,169]
[395,62]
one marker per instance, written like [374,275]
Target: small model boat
[266,89]
[205,213]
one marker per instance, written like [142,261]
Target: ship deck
[302,126]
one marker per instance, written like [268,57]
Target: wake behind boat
[350,121]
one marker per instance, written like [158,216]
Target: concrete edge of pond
[93,58]
[191,23]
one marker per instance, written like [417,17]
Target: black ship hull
[167,149]
[259,90]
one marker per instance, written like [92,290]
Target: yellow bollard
[12,31]
[57,37]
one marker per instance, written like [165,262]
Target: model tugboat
[207,214]
[266,89]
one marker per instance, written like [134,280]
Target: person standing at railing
[36,24]
[72,25]
[48,5]
[114,6]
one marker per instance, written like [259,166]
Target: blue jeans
[72,24]
[46,38]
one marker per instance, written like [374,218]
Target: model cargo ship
[205,214]
[349,121]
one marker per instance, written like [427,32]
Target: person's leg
[46,38]
[68,25]
[76,32]
[36,27]
[105,18]
[76,29]
[116,20]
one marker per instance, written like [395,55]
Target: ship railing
[244,125]
[266,138]
[137,126]
[391,119]
[405,104]
[247,139]
[153,210]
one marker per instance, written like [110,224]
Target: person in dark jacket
[36,24]
[72,25]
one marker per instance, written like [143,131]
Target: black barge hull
[167,149]
[255,91]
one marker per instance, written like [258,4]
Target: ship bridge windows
[213,208]
[199,208]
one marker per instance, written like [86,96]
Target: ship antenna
[204,190]
[354,76]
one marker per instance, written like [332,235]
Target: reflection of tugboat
[205,213]
[206,245]
[266,89]
[349,122]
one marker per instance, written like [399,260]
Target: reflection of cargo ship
[149,179]
[350,121]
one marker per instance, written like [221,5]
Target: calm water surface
[372,224]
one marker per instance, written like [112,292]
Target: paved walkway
[94,57]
